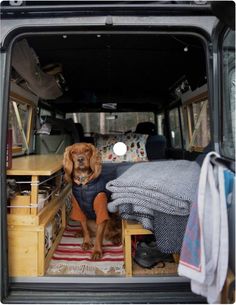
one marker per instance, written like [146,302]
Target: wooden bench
[130,228]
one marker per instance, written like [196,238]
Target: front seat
[156,144]
[82,138]
[80,130]
[146,128]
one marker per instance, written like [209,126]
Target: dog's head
[81,157]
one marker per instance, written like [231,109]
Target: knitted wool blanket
[159,195]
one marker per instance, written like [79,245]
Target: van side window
[197,121]
[20,123]
[228,95]
[45,112]
[175,131]
[160,124]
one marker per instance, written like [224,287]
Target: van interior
[72,87]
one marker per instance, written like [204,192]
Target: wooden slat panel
[51,251]
[41,251]
[49,213]
[34,194]
[25,220]
[22,253]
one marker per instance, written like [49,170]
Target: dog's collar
[82,179]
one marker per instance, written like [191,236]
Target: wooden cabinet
[35,230]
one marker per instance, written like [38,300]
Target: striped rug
[70,259]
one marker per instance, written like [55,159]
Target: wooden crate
[26,238]
[26,248]
[43,216]
[27,254]
[35,166]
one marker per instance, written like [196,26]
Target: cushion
[106,139]
[136,148]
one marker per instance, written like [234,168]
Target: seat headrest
[80,130]
[146,128]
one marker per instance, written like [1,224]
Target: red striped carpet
[70,259]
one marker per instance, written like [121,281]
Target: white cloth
[208,281]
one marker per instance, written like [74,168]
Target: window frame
[189,119]
[159,121]
[178,109]
[13,97]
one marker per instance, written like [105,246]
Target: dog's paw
[96,255]
[87,245]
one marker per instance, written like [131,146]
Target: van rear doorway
[107,87]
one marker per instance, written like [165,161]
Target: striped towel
[70,259]
[205,249]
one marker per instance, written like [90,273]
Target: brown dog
[82,165]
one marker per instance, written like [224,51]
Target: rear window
[110,123]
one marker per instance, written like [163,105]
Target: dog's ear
[95,162]
[68,164]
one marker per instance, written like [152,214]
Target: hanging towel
[205,249]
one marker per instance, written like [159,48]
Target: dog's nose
[81,159]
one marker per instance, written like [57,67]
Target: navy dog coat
[85,195]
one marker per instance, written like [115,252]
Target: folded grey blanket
[154,192]
[167,186]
